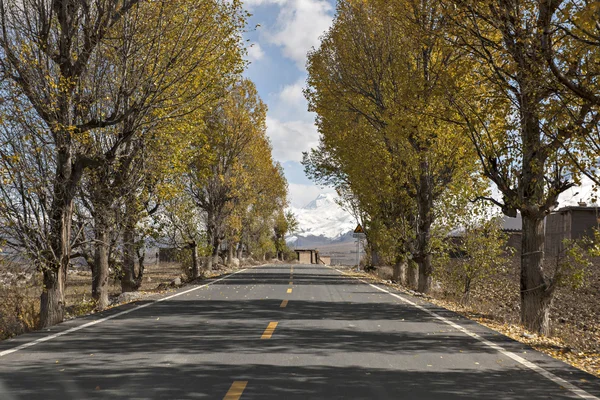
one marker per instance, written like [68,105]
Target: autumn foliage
[114,117]
[424,106]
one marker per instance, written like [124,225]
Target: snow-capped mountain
[322,220]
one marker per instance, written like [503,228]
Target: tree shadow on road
[173,380]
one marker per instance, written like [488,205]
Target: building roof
[512,224]
[579,208]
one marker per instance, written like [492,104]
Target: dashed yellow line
[283,304]
[236,390]
[269,331]
[289,290]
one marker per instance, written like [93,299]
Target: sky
[281,33]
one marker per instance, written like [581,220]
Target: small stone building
[311,256]
[305,256]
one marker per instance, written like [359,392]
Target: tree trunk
[215,252]
[425,273]
[399,272]
[413,274]
[195,261]
[100,271]
[536,293]
[129,281]
[211,237]
[52,298]
[425,220]
[229,253]
[240,250]
[466,291]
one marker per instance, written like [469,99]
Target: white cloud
[289,104]
[299,25]
[297,28]
[255,52]
[262,2]
[291,138]
[301,195]
[292,95]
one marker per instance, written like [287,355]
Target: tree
[285,222]
[48,51]
[182,224]
[519,125]
[238,177]
[54,57]
[570,44]
[378,83]
[191,72]
[481,248]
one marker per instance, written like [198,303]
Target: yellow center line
[283,304]
[289,290]
[269,331]
[291,283]
[236,390]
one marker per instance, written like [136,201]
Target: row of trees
[125,119]
[230,182]
[423,104]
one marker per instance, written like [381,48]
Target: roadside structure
[311,256]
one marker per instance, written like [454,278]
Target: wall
[325,260]
[304,257]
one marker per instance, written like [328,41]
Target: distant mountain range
[320,222]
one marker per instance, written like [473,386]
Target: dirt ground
[78,292]
[495,302]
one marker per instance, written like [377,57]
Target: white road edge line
[546,374]
[91,323]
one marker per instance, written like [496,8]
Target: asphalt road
[270,333]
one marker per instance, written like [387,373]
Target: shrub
[19,303]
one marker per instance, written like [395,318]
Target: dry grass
[19,309]
[78,293]
[20,297]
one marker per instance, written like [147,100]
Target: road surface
[281,332]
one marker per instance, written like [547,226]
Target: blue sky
[286,31]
